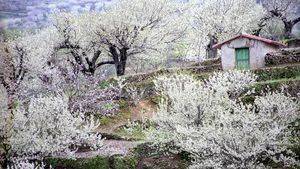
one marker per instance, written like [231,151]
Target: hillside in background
[27,14]
[33,13]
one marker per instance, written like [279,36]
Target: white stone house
[246,51]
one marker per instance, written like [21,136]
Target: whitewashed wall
[257,50]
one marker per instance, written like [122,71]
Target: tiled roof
[268,41]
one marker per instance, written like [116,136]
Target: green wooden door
[242,58]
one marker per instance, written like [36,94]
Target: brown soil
[144,110]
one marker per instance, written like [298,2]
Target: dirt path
[111,147]
[144,110]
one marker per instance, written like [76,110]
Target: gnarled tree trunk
[288,27]
[120,59]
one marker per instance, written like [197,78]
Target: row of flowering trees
[136,30]
[39,119]
[148,30]
[210,121]
[52,75]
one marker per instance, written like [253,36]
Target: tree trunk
[120,59]
[123,60]
[210,52]
[10,108]
[262,23]
[4,164]
[288,27]
[120,68]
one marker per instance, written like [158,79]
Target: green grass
[292,85]
[134,131]
[280,72]
[109,123]
[123,115]
[91,163]
[280,80]
[114,162]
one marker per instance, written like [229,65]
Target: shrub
[217,129]
[47,127]
[25,164]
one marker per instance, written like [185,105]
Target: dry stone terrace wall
[285,56]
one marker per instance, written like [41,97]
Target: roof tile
[268,41]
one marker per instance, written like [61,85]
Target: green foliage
[125,162]
[104,84]
[109,106]
[184,155]
[248,99]
[287,41]
[202,76]
[105,120]
[123,115]
[108,83]
[135,130]
[156,99]
[291,86]
[137,133]
[93,163]
[155,157]
[123,104]
[114,162]
[278,73]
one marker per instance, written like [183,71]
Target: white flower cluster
[25,164]
[47,127]
[145,28]
[222,19]
[230,82]
[220,131]
[38,48]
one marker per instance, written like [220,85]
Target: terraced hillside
[127,128]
